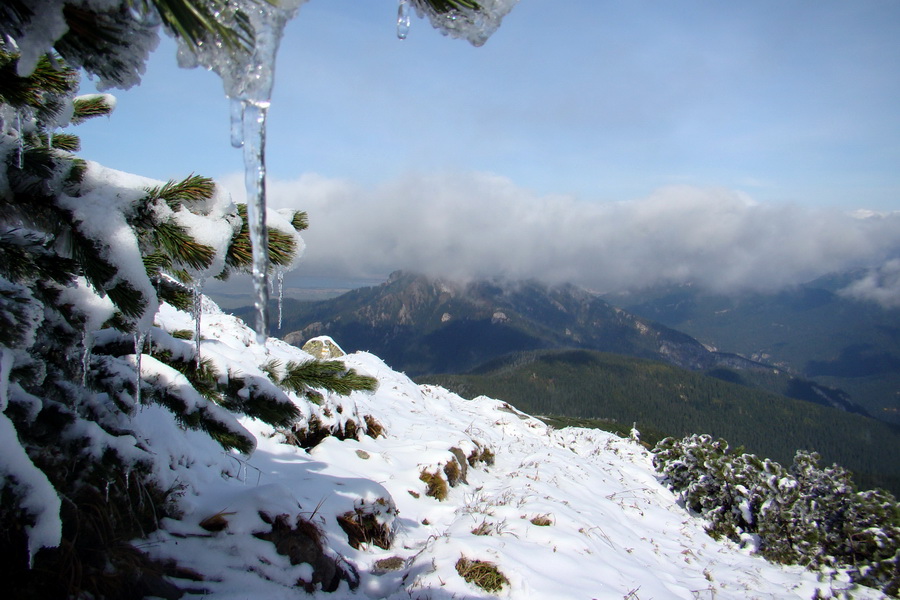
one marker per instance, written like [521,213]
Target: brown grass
[484,574]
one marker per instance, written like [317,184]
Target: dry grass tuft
[542,520]
[436,486]
[373,427]
[393,563]
[484,574]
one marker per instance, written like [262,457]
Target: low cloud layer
[481,225]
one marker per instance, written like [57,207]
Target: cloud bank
[481,225]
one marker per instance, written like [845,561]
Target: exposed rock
[323,347]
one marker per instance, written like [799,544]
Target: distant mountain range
[422,325]
[812,331]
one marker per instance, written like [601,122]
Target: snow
[100,212]
[35,494]
[613,530]
[47,26]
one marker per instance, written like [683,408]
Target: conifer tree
[87,256]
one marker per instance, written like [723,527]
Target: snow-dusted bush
[804,515]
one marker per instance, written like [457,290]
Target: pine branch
[282,246]
[15,309]
[88,107]
[204,379]
[194,188]
[194,23]
[66,142]
[24,256]
[127,299]
[203,419]
[37,89]
[270,368]
[448,6]
[174,240]
[109,43]
[300,221]
[245,396]
[330,375]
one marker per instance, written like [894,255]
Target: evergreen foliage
[78,350]
[87,257]
[803,515]
[329,375]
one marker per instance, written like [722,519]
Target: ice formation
[475,25]
[248,78]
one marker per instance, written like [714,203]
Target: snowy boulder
[323,347]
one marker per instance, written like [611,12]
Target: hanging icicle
[237,123]
[87,341]
[280,278]
[248,78]
[138,352]
[197,310]
[255,182]
[403,19]
[20,141]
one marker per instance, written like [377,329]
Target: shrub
[481,454]
[803,515]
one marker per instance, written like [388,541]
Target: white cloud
[880,284]
[476,224]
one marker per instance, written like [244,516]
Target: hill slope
[609,530]
[660,397]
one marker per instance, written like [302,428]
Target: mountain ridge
[423,325]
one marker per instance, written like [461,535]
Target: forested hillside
[815,330]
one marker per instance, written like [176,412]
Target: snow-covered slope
[562,514]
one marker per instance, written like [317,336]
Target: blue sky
[791,106]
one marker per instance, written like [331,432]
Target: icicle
[248,80]
[255,182]
[403,19]
[6,363]
[280,278]
[237,123]
[197,309]
[138,352]
[87,341]
[21,140]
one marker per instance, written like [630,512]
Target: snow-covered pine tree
[87,257]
